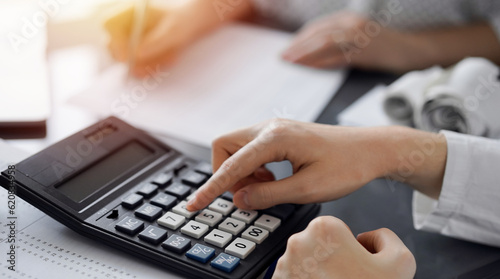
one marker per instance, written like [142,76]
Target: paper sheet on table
[231,78]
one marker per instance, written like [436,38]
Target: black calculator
[115,183]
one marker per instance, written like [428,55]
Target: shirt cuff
[464,208]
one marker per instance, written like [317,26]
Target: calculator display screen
[101,173]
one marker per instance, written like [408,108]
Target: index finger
[237,166]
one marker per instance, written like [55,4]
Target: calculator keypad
[246,216]
[201,253]
[148,212]
[218,238]
[153,234]
[132,201]
[225,262]
[178,190]
[222,206]
[232,226]
[209,217]
[240,248]
[162,219]
[180,209]
[177,243]
[268,222]
[171,220]
[130,225]
[194,229]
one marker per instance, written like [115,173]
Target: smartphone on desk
[117,184]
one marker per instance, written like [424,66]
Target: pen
[139,17]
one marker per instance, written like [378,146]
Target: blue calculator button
[200,253]
[225,262]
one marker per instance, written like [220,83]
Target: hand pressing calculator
[116,184]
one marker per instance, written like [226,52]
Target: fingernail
[244,195]
[191,203]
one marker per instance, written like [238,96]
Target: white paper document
[24,83]
[231,78]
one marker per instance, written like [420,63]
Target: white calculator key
[232,225]
[222,206]
[218,238]
[268,222]
[180,208]
[255,234]
[209,217]
[190,197]
[246,216]
[171,220]
[240,248]
[194,229]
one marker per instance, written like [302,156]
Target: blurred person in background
[387,35]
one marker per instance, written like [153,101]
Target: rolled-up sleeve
[469,204]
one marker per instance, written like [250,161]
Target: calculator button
[204,168]
[232,225]
[163,200]
[225,262]
[179,168]
[130,225]
[227,196]
[268,222]
[148,212]
[171,220]
[193,178]
[240,248]
[190,197]
[246,216]
[163,179]
[176,243]
[153,234]
[178,190]
[147,190]
[282,211]
[194,229]
[255,234]
[222,206]
[218,238]
[200,253]
[132,201]
[209,217]
[180,208]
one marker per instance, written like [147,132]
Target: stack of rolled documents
[464,98]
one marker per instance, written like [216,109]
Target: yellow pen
[138,21]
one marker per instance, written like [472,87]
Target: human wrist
[417,158]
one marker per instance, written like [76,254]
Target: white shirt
[469,204]
[411,14]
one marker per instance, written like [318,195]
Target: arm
[329,162]
[468,204]
[170,27]
[342,39]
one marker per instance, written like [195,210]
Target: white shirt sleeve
[469,204]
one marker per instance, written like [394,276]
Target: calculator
[117,184]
